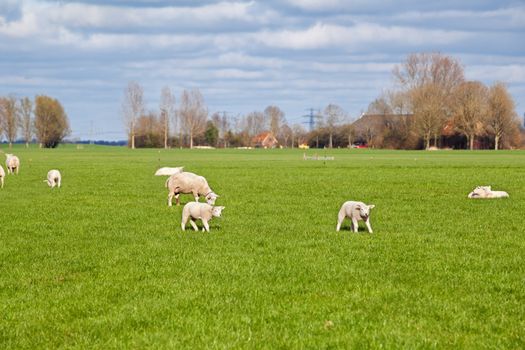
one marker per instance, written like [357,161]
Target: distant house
[265,140]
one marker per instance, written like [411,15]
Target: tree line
[436,106]
[430,105]
[43,119]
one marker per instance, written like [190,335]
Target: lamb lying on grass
[486,192]
[53,178]
[187,182]
[12,163]
[167,171]
[195,211]
[2,176]
[356,211]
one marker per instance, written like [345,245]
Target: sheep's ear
[222,207]
[371,206]
[358,206]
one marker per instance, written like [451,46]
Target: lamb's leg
[177,198]
[185,218]
[367,222]
[17,170]
[340,219]
[354,224]
[194,225]
[2,181]
[206,226]
[59,183]
[170,198]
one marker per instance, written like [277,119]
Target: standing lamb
[195,211]
[356,211]
[486,192]
[53,178]
[186,182]
[2,176]
[12,163]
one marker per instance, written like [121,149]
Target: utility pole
[311,118]
[91,141]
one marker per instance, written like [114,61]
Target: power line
[311,118]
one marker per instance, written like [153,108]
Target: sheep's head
[216,211]
[481,190]
[364,210]
[211,198]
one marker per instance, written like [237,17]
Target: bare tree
[429,117]
[26,122]
[379,106]
[298,132]
[276,118]
[193,114]
[167,112]
[333,115]
[501,117]
[51,121]
[132,108]
[10,118]
[286,133]
[471,109]
[430,81]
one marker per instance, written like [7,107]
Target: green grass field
[102,262]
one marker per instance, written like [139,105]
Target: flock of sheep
[183,182]
[12,163]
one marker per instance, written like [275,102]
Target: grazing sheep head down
[364,210]
[217,211]
[211,198]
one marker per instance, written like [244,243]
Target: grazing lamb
[169,171]
[187,182]
[356,211]
[12,163]
[195,211]
[486,192]
[2,176]
[53,178]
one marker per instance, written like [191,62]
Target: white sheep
[481,192]
[356,211]
[12,163]
[203,211]
[187,182]
[54,178]
[2,176]
[169,171]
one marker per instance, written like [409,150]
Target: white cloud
[328,35]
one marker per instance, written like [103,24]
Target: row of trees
[431,101]
[43,118]
[432,91]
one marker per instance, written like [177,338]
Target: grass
[102,262]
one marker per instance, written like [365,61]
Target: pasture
[102,262]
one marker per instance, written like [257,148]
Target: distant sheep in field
[203,211]
[186,182]
[2,176]
[167,171]
[53,178]
[356,211]
[482,192]
[12,163]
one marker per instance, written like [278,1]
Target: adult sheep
[186,182]
[12,163]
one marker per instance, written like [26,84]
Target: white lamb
[203,211]
[2,176]
[169,171]
[12,163]
[356,211]
[187,182]
[486,192]
[53,178]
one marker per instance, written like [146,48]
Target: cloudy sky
[245,55]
